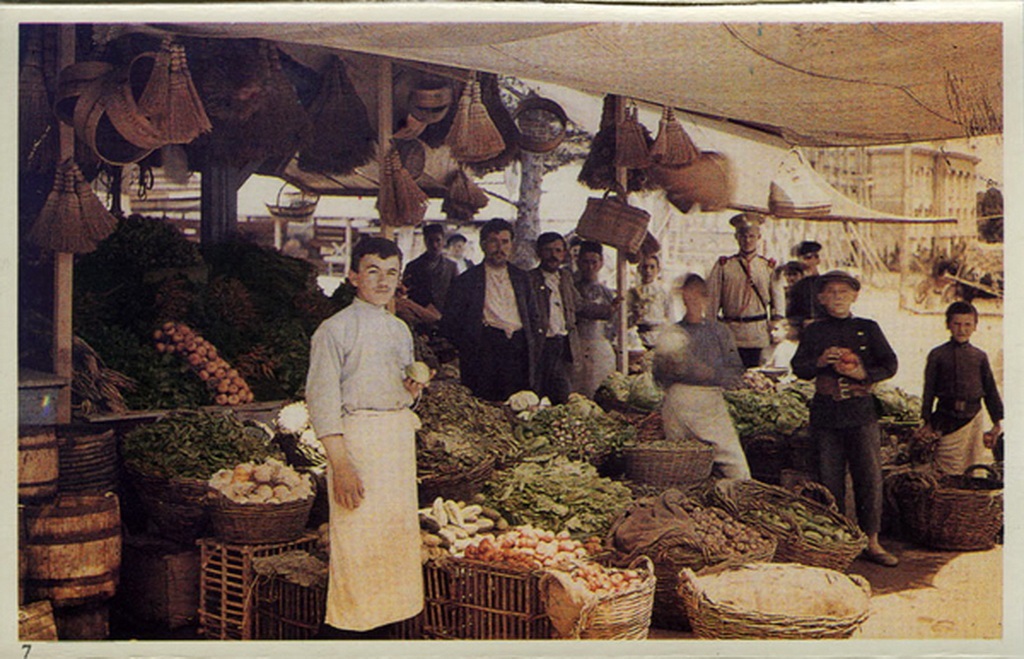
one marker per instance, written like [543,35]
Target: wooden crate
[159,581]
[487,601]
[36,622]
[226,584]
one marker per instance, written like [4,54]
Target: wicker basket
[460,486]
[662,466]
[792,547]
[624,616]
[258,523]
[611,221]
[726,618]
[176,506]
[962,513]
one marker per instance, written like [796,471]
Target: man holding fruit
[361,384]
[845,356]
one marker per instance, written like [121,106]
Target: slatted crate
[488,601]
[226,584]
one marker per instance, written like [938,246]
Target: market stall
[197,493]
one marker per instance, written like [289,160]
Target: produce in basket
[591,601]
[452,525]
[303,449]
[558,493]
[896,404]
[459,431]
[269,482]
[813,527]
[782,411]
[527,548]
[757,381]
[579,429]
[224,382]
[194,444]
[638,391]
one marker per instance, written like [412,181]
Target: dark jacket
[427,279]
[865,338]
[462,321]
[570,300]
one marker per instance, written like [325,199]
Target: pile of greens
[579,430]
[558,494]
[897,405]
[781,412]
[639,391]
[449,409]
[195,444]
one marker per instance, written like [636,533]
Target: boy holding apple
[845,356]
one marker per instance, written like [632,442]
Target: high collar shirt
[556,311]
[865,338]
[647,304]
[593,316]
[357,362]
[957,378]
[501,310]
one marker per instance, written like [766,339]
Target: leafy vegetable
[579,430]
[194,444]
[777,412]
[558,494]
[897,404]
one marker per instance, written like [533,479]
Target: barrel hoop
[49,481]
[72,538]
[99,506]
[38,447]
[92,580]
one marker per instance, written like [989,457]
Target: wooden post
[384,118]
[219,202]
[621,264]
[63,263]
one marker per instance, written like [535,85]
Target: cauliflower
[282,493]
[293,418]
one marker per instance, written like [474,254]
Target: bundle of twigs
[73,219]
[37,143]
[473,136]
[464,198]
[342,137]
[672,147]
[96,387]
[400,201]
[490,94]
[598,171]
[170,99]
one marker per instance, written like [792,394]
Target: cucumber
[454,513]
[484,524]
[447,536]
[490,513]
[439,513]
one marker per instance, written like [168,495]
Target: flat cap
[807,247]
[838,275]
[745,221]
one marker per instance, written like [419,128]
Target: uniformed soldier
[743,289]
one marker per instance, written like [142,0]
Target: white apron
[376,577]
[962,448]
[690,410]
[596,362]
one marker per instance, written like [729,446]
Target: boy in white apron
[359,402]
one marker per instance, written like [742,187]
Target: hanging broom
[400,201]
[474,137]
[490,94]
[99,222]
[598,170]
[341,137]
[460,119]
[672,147]
[464,198]
[37,144]
[631,145]
[183,117]
[59,226]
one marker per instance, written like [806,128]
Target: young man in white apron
[359,402]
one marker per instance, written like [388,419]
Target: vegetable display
[897,405]
[639,391]
[453,525]
[297,437]
[814,527]
[528,548]
[269,482]
[782,411]
[579,430]
[224,382]
[194,444]
[558,493]
[603,581]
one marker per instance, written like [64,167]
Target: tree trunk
[528,217]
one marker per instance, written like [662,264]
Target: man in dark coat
[556,300]
[492,318]
[802,305]
[428,276]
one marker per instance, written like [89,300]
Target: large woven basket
[729,617]
[613,222]
[624,616]
[460,485]
[686,464]
[176,506]
[258,523]
[748,496]
[961,513]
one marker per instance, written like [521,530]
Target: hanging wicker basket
[300,207]
[542,124]
[611,221]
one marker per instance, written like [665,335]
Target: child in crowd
[957,378]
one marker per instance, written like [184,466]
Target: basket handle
[990,473]
[815,487]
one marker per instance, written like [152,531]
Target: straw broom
[490,93]
[59,226]
[464,197]
[631,146]
[99,222]
[36,136]
[598,170]
[473,136]
[341,137]
[672,147]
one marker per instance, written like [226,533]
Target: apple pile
[224,382]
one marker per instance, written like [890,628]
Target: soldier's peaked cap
[745,221]
[808,247]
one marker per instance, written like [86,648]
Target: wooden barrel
[36,622]
[90,622]
[22,556]
[73,547]
[38,464]
[88,460]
